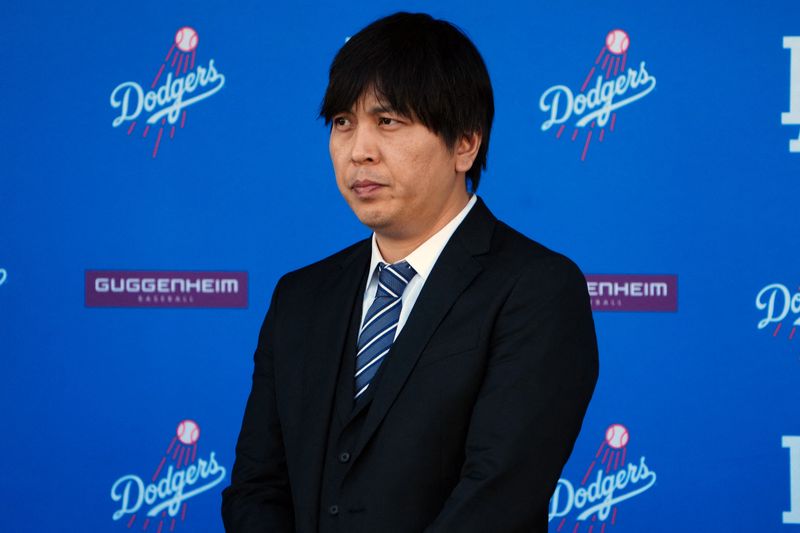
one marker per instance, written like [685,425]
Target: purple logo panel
[165,288]
[633,292]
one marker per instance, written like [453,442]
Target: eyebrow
[379,109]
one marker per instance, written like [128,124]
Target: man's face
[398,177]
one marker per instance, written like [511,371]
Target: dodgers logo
[779,306]
[611,478]
[792,117]
[181,475]
[184,84]
[612,84]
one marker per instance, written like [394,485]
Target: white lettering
[230,285]
[636,289]
[129,482]
[561,104]
[130,98]
[658,289]
[551,101]
[792,117]
[101,285]
[150,494]
[150,101]
[191,82]
[168,492]
[563,495]
[163,285]
[592,286]
[132,285]
[778,302]
[124,103]
[602,493]
[191,474]
[792,516]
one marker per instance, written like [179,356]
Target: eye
[387,121]
[341,122]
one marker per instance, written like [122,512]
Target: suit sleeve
[541,371]
[259,497]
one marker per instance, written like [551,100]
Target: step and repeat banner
[163,164]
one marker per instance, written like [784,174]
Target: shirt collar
[425,255]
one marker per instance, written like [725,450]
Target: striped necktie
[380,323]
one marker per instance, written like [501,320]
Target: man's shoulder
[505,248]
[516,254]
[309,275]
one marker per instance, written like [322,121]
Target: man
[434,377]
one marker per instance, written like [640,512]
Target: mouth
[365,188]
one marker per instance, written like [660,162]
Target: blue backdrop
[693,426]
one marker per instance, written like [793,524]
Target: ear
[467,150]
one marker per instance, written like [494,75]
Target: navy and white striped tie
[380,323]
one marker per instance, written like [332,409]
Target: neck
[396,247]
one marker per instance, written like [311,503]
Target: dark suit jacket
[479,403]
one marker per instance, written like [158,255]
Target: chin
[372,217]
[373,221]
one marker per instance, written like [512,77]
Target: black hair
[422,68]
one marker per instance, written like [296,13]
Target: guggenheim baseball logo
[181,475]
[610,479]
[779,306]
[633,292]
[610,85]
[182,84]
[159,288]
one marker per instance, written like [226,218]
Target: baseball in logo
[792,117]
[3,276]
[181,83]
[609,85]
[610,479]
[181,474]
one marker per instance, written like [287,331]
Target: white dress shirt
[421,260]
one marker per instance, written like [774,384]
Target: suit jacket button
[344,457]
[333,510]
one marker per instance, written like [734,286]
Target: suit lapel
[454,271]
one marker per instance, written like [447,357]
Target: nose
[365,145]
